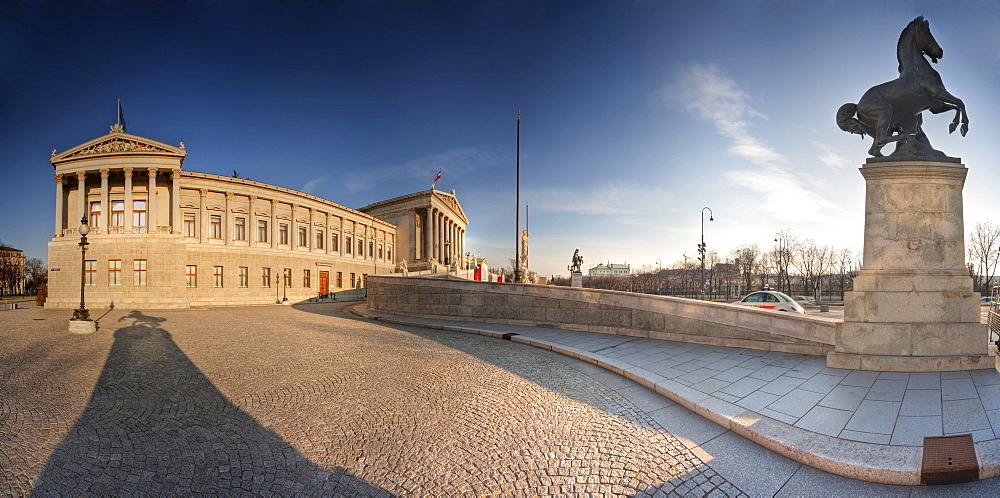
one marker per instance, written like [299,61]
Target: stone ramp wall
[607,312]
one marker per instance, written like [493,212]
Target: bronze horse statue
[890,112]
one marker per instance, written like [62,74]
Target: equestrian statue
[576,263]
[890,112]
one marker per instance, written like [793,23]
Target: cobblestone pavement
[310,400]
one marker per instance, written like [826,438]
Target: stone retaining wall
[607,312]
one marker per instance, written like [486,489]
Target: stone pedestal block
[82,326]
[576,280]
[912,308]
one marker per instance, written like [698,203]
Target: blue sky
[635,114]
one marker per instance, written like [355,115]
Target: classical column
[326,233]
[151,203]
[425,233]
[309,231]
[274,224]
[203,216]
[59,205]
[175,201]
[252,222]
[81,178]
[340,237]
[293,231]
[127,214]
[227,225]
[105,208]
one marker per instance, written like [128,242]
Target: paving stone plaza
[312,400]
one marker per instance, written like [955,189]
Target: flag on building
[121,115]
[438,177]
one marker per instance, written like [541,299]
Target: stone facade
[11,270]
[163,237]
[431,227]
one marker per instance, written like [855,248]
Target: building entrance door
[324,283]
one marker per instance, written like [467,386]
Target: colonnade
[105,216]
[444,238]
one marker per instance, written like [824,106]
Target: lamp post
[781,254]
[701,247]
[82,314]
[285,277]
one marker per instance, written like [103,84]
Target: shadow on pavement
[155,424]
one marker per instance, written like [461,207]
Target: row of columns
[317,220]
[444,239]
[82,208]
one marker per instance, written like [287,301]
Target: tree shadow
[155,424]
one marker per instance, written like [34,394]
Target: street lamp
[781,254]
[82,313]
[701,247]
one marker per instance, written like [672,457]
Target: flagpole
[517,213]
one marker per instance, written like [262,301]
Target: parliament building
[164,237]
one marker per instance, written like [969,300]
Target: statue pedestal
[82,326]
[576,279]
[912,308]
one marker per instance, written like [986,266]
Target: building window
[95,214]
[302,237]
[118,213]
[261,231]
[244,276]
[388,253]
[364,280]
[381,252]
[352,280]
[265,277]
[283,233]
[371,249]
[287,277]
[138,213]
[306,279]
[138,272]
[340,280]
[216,222]
[114,272]
[361,248]
[240,229]
[191,276]
[90,272]
[335,243]
[217,276]
[347,244]
[319,239]
[190,228]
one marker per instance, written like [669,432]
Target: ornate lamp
[82,314]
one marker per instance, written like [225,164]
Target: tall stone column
[151,203]
[425,232]
[252,222]
[309,231]
[274,224]
[203,225]
[912,308]
[60,215]
[105,207]
[127,214]
[326,233]
[81,188]
[175,201]
[227,223]
[293,234]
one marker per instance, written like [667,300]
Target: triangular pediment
[450,201]
[114,144]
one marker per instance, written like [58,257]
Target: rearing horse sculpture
[890,112]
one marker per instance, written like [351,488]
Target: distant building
[605,270]
[11,270]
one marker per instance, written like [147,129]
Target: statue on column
[891,112]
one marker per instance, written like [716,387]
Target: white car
[771,300]
[805,299]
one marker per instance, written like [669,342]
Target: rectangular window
[190,227]
[340,280]
[265,277]
[138,213]
[217,276]
[138,272]
[261,231]
[388,254]
[114,272]
[347,244]
[352,280]
[216,222]
[118,213]
[90,272]
[287,274]
[335,243]
[364,280]
[302,237]
[306,279]
[381,252]
[244,276]
[240,230]
[371,249]
[361,248]
[283,233]
[191,276]
[95,214]
[319,239]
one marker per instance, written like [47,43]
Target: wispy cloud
[830,157]
[459,161]
[628,203]
[706,92]
[311,185]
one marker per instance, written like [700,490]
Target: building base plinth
[885,363]
[82,326]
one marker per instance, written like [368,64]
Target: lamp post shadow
[155,424]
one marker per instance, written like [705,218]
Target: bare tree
[783,256]
[747,259]
[984,244]
[35,275]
